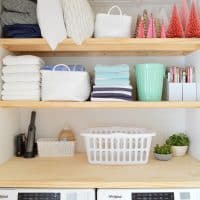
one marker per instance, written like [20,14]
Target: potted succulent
[179,144]
[163,153]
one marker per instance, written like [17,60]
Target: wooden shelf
[120,46]
[99,105]
[76,172]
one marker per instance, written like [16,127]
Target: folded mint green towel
[123,82]
[112,68]
[113,75]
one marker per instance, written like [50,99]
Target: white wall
[163,121]
[193,130]
[9,127]
[193,115]
[50,121]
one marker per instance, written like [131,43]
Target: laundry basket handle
[58,65]
[113,7]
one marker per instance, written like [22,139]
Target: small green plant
[179,139]
[164,149]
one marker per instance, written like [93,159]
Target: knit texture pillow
[79,19]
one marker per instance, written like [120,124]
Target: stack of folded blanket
[112,83]
[21,76]
[19,19]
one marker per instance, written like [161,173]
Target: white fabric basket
[51,147]
[118,145]
[113,26]
[65,85]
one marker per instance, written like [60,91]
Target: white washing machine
[47,194]
[142,194]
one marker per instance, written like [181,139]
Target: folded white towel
[17,97]
[23,60]
[21,92]
[15,86]
[21,77]
[21,68]
[50,19]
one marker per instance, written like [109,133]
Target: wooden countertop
[75,172]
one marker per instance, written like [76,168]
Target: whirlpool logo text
[2,196]
[115,197]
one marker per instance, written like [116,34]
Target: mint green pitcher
[149,78]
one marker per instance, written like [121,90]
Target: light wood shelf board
[75,172]
[128,46]
[99,105]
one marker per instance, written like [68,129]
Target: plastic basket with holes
[52,147]
[118,145]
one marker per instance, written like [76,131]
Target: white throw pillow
[79,19]
[50,19]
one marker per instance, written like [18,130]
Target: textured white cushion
[50,19]
[79,19]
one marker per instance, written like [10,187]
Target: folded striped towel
[21,77]
[112,68]
[107,99]
[113,88]
[112,95]
[21,68]
[109,93]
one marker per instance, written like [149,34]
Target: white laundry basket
[118,145]
[51,147]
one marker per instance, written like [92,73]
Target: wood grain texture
[75,172]
[129,46]
[91,105]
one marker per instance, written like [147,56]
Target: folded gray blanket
[18,12]
[10,18]
[21,6]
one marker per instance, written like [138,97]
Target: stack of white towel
[21,76]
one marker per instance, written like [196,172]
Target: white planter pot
[179,150]
[162,157]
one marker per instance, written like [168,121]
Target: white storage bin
[189,92]
[51,147]
[65,85]
[174,91]
[113,26]
[118,145]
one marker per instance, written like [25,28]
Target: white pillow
[79,19]
[51,22]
